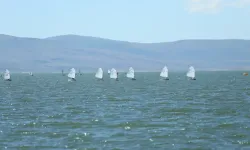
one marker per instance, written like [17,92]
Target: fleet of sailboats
[113,74]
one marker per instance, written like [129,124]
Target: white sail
[6,75]
[191,72]
[131,73]
[108,71]
[99,73]
[164,72]
[72,73]
[113,74]
[31,73]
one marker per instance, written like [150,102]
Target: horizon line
[214,70]
[48,38]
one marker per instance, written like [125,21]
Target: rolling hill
[89,53]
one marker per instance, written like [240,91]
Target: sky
[127,20]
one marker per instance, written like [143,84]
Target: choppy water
[48,112]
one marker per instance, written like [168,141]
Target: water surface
[48,112]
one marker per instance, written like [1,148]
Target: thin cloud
[240,3]
[208,6]
[214,6]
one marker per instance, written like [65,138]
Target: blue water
[48,112]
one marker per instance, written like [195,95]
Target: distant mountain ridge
[89,53]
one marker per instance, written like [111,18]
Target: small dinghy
[113,74]
[80,73]
[131,73]
[191,73]
[7,75]
[72,75]
[164,73]
[245,74]
[63,73]
[99,74]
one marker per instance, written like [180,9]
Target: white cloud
[240,3]
[210,6]
[214,6]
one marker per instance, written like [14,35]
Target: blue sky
[129,20]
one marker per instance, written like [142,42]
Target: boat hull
[71,79]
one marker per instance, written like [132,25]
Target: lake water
[48,112]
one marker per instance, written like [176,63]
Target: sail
[7,75]
[108,71]
[164,72]
[191,72]
[131,73]
[113,74]
[72,73]
[99,73]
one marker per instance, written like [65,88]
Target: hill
[89,53]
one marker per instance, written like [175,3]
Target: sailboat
[191,73]
[7,75]
[99,74]
[63,73]
[164,73]
[80,72]
[131,73]
[245,74]
[113,74]
[72,74]
[108,71]
[31,73]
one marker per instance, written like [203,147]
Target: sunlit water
[48,112]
